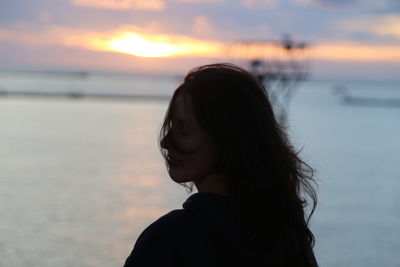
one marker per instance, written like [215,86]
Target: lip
[173,161]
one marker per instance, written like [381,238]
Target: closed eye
[182,127]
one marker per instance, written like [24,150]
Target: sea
[81,175]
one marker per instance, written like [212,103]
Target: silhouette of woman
[220,133]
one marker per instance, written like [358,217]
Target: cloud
[45,16]
[327,3]
[369,4]
[125,39]
[203,27]
[259,3]
[133,40]
[383,25]
[155,5]
[355,52]
[305,2]
[200,1]
[380,4]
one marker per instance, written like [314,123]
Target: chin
[179,177]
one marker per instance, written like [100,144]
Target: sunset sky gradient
[348,38]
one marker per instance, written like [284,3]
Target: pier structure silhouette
[279,64]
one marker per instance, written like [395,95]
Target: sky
[349,39]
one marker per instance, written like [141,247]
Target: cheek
[190,147]
[202,161]
[205,156]
[196,165]
[190,144]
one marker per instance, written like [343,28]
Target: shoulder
[171,218]
[167,225]
[160,241]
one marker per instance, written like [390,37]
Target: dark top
[203,233]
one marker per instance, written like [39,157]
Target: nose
[165,143]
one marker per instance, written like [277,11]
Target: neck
[212,184]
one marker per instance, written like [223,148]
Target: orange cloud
[126,39]
[356,52]
[200,1]
[140,42]
[156,5]
[337,4]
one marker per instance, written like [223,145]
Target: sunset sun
[134,44]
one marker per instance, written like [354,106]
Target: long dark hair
[264,173]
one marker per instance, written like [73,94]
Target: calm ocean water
[80,179]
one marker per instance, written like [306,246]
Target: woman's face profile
[191,153]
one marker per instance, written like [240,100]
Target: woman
[220,133]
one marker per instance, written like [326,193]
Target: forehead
[182,108]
